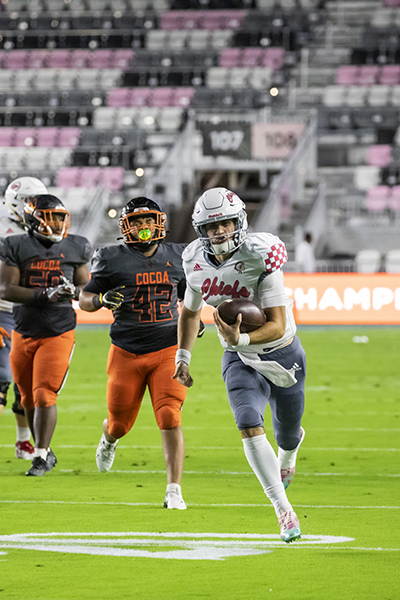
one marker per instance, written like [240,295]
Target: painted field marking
[214,505]
[169,545]
[213,448]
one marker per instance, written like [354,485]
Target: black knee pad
[17,408]
[17,393]
[3,390]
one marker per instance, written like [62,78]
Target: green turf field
[79,534]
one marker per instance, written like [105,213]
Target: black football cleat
[51,460]
[38,467]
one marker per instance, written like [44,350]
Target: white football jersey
[7,228]
[253,273]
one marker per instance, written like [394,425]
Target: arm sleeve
[193,300]
[271,290]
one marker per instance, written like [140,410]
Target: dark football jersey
[147,319]
[41,267]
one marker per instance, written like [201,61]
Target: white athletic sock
[23,434]
[174,488]
[42,452]
[264,462]
[287,458]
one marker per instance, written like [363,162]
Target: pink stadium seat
[377,198]
[171,20]
[69,137]
[161,96]
[17,59]
[90,177]
[182,97]
[212,20]
[189,19]
[391,2]
[251,57]
[68,177]
[389,75]
[394,198]
[101,59]
[118,97]
[139,96]
[47,137]
[25,136]
[273,58]
[7,136]
[112,178]
[38,59]
[60,59]
[231,19]
[80,59]
[368,74]
[230,57]
[122,59]
[379,155]
[347,75]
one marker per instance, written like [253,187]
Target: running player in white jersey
[265,366]
[19,191]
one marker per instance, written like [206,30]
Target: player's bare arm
[81,277]
[188,328]
[272,330]
[9,285]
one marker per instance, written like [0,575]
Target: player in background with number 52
[264,366]
[141,280]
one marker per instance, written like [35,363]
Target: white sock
[23,434]
[111,444]
[264,462]
[174,488]
[287,458]
[42,452]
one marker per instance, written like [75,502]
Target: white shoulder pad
[191,250]
[270,248]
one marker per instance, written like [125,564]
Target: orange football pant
[40,367]
[129,375]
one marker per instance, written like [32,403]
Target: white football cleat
[173,497]
[105,454]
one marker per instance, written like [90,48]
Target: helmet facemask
[229,245]
[48,223]
[143,235]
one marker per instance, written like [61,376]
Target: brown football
[253,316]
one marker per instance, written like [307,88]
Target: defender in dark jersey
[41,272]
[141,281]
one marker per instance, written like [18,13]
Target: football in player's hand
[253,316]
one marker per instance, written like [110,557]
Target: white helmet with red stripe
[220,204]
[18,193]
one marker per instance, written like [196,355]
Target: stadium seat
[182,96]
[139,96]
[126,117]
[161,97]
[389,75]
[378,95]
[170,118]
[69,137]
[101,59]
[230,57]
[37,59]
[251,57]
[379,155]
[104,117]
[347,75]
[395,96]
[274,58]
[47,137]
[118,97]
[368,74]
[392,261]
[68,177]
[122,59]
[366,177]
[334,95]
[394,199]
[59,59]
[90,177]
[368,261]
[112,178]
[81,59]
[25,136]
[17,59]
[356,96]
[7,136]
[377,198]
